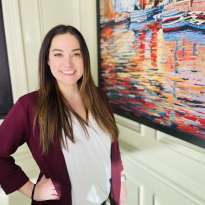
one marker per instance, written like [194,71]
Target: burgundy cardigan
[16,129]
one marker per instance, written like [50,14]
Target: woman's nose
[68,60]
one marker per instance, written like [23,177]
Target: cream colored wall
[161,169]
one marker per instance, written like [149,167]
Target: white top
[89,164]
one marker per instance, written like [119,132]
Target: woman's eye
[58,54]
[77,54]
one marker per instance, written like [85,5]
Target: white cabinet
[158,174]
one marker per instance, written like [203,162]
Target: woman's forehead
[65,41]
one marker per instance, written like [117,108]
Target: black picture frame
[121,106]
[6,98]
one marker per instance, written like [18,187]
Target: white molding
[54,12]
[128,123]
[14,41]
[41,25]
[187,149]
[147,131]
[31,29]
[134,134]
[88,27]
[155,200]
[77,12]
[155,167]
[134,191]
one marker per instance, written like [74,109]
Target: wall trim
[16,57]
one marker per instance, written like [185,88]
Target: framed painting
[6,100]
[152,63]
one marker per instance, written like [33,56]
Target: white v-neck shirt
[89,164]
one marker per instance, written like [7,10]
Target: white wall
[161,170]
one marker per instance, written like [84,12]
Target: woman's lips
[70,72]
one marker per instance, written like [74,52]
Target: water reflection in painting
[152,61]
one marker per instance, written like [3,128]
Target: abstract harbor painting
[152,63]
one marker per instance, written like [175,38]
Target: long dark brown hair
[53,112]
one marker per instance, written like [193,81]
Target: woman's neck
[70,92]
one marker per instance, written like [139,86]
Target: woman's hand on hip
[45,190]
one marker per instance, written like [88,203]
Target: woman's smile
[68,72]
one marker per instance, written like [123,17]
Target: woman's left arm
[123,191]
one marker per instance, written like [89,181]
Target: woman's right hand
[45,190]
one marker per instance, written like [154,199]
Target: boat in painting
[168,16]
[174,26]
[122,18]
[145,11]
[196,20]
[171,20]
[184,14]
[190,20]
[143,15]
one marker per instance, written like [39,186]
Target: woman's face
[66,60]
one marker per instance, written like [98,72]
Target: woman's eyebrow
[59,50]
[76,49]
[56,49]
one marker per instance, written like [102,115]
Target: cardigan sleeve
[12,135]
[117,168]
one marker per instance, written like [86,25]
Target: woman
[68,127]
